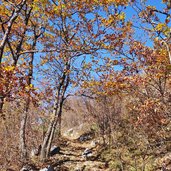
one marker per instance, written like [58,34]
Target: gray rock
[86,136]
[54,150]
[49,168]
[27,168]
[87,153]
[35,152]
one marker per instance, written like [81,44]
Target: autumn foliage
[114,55]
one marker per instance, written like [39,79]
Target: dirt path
[71,157]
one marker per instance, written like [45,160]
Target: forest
[85,85]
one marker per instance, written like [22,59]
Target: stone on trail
[54,150]
[28,167]
[86,136]
[49,168]
[35,152]
[87,153]
[94,143]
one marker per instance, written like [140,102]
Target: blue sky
[130,13]
[139,34]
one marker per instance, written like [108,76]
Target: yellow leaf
[121,16]
[160,26]
[9,68]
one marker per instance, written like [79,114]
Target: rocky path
[71,157]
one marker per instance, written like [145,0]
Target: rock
[49,168]
[87,153]
[35,152]
[94,143]
[86,136]
[28,168]
[54,150]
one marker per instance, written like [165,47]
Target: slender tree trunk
[1,107]
[22,132]
[49,134]
[23,146]
[44,152]
[57,121]
[51,138]
[59,125]
[57,111]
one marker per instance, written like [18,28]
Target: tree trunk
[48,136]
[1,107]
[46,146]
[59,124]
[46,142]
[51,138]
[23,148]
[57,111]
